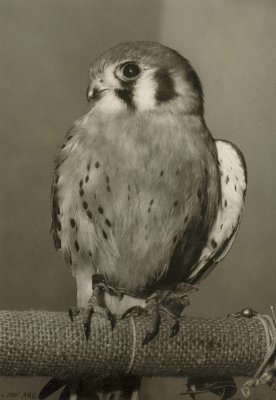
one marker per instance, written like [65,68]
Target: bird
[143,196]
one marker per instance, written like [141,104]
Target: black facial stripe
[165,86]
[125,95]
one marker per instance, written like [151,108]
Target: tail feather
[51,386]
[126,388]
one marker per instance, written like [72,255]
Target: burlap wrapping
[49,344]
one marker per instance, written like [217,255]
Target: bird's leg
[174,306]
[153,310]
[173,302]
[95,306]
[91,303]
[170,301]
[73,312]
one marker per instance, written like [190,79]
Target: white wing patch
[233,187]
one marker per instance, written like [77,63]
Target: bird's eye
[131,70]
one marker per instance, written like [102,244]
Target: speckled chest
[127,187]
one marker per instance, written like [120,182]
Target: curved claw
[73,312]
[87,322]
[112,320]
[155,329]
[134,311]
[175,329]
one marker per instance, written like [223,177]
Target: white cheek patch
[110,103]
[144,92]
[110,80]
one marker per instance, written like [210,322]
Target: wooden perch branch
[49,344]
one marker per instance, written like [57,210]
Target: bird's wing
[233,188]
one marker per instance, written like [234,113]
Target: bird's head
[142,76]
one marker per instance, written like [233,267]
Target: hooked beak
[94,92]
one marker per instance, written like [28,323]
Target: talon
[73,312]
[112,320]
[87,322]
[175,329]
[150,335]
[134,311]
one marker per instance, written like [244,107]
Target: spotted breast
[136,205]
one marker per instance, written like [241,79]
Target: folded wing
[233,188]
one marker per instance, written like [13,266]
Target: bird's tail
[126,388]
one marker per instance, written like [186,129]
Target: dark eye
[131,70]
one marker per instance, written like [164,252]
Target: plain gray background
[46,49]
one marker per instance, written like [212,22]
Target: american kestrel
[142,194]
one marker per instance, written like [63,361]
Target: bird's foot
[134,311]
[94,307]
[73,312]
[150,309]
[173,301]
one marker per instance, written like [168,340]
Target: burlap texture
[48,344]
